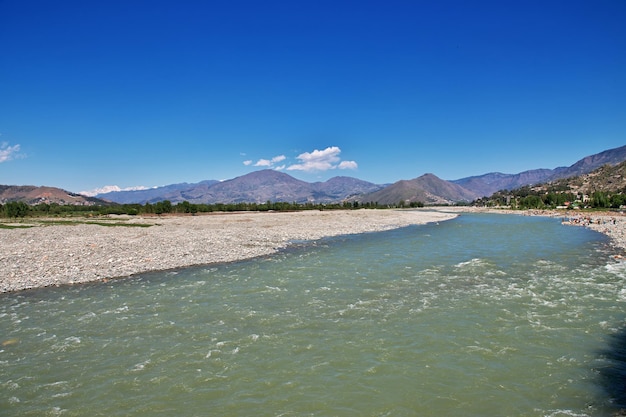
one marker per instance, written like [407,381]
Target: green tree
[16,209]
[531,202]
[184,207]
[43,208]
[164,206]
[599,199]
[618,200]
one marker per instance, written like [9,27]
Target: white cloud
[8,152]
[110,189]
[267,162]
[348,165]
[263,163]
[315,161]
[318,160]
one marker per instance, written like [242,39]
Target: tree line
[15,209]
[529,198]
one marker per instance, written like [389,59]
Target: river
[483,315]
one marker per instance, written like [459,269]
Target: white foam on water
[56,411]
[278,289]
[67,343]
[618,268]
[472,262]
[141,366]
[55,384]
[564,413]
[87,316]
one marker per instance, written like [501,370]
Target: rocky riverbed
[49,254]
[612,224]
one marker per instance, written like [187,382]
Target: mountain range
[487,184]
[270,185]
[264,185]
[255,187]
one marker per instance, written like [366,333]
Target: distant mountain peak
[487,184]
[427,189]
[110,189]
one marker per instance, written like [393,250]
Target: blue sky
[147,93]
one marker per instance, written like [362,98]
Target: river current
[483,315]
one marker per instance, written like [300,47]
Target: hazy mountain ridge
[345,185]
[608,178]
[275,186]
[427,189]
[255,187]
[151,195]
[605,187]
[487,184]
[591,163]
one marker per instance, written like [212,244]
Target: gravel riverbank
[612,224]
[49,255]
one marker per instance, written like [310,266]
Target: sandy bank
[63,254]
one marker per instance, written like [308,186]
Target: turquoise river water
[483,315]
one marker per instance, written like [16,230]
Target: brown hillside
[608,178]
[32,195]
